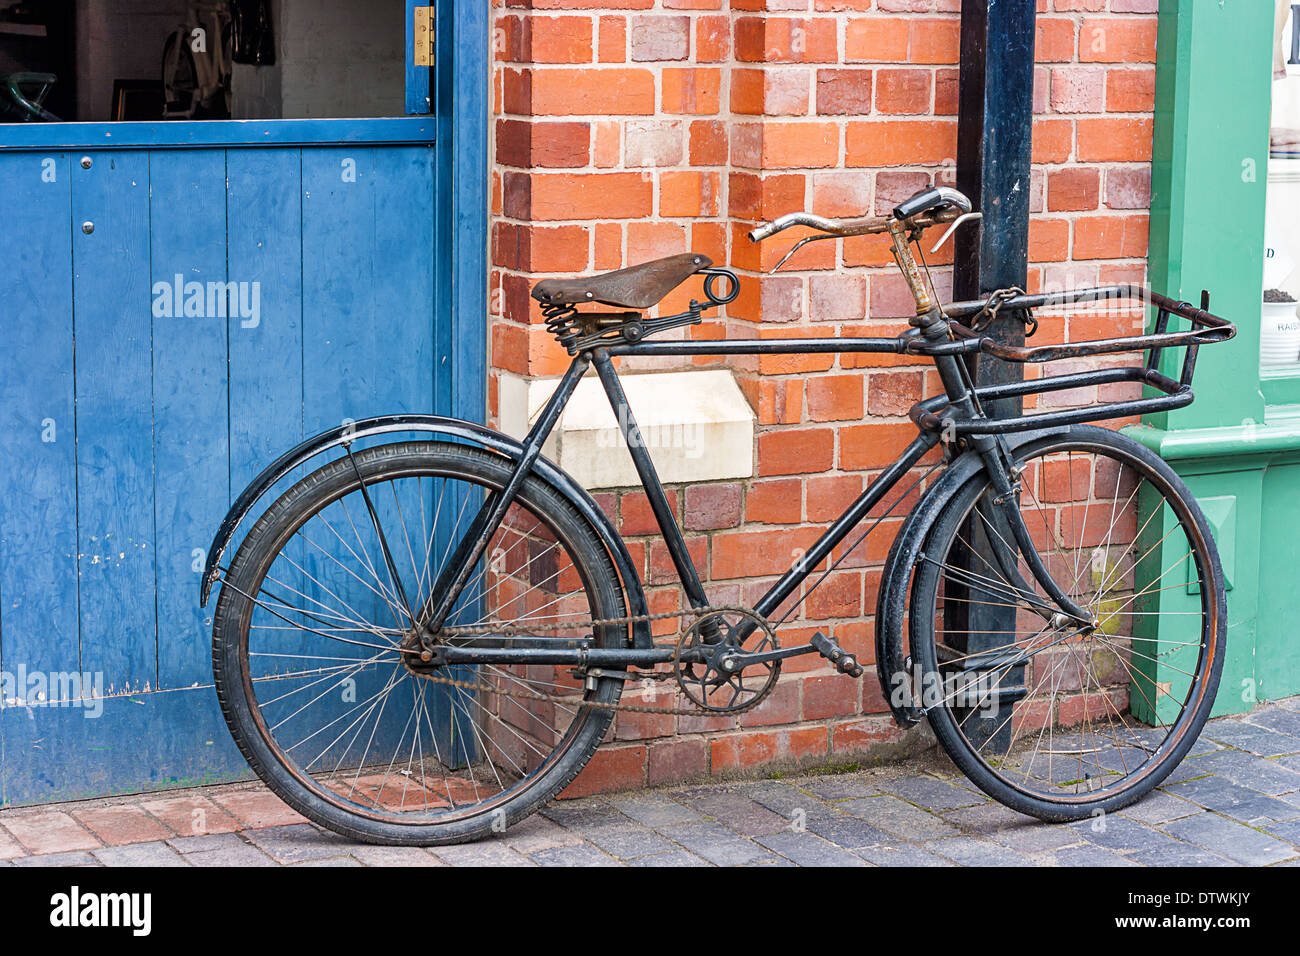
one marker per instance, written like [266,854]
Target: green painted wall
[1239,454]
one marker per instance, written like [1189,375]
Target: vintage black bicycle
[425,638]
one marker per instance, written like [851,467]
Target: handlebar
[926,208]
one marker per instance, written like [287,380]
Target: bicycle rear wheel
[313,632]
[1053,717]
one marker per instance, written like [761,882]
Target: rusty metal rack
[1205,329]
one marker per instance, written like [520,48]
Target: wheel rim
[1095,710]
[330,692]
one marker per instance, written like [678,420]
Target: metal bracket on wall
[424,36]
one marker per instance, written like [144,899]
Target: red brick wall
[629,129]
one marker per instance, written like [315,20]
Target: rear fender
[437,426]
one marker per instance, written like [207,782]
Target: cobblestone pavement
[1236,800]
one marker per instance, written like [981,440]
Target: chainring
[720,683]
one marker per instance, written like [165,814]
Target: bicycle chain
[594,623]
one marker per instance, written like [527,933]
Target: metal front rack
[1205,328]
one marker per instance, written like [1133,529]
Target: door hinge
[424,35]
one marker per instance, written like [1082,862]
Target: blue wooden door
[174,319]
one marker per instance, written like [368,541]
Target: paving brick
[625,840]
[1120,834]
[808,849]
[1037,837]
[1230,839]
[899,817]
[202,844]
[9,847]
[118,825]
[1276,718]
[1238,802]
[1256,739]
[1159,806]
[240,854]
[50,832]
[674,859]
[538,833]
[191,815]
[985,818]
[393,856]
[1089,856]
[330,861]
[839,787]
[849,831]
[737,812]
[972,851]
[584,855]
[900,854]
[258,808]
[652,809]
[1288,830]
[155,853]
[489,853]
[299,841]
[932,793]
[72,858]
[714,842]
[1177,853]
[1249,770]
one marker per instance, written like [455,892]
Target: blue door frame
[135,403]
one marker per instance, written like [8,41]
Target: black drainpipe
[994,128]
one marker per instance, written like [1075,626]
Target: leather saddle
[636,287]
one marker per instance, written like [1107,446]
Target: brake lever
[964,217]
[795,248]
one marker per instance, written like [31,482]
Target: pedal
[844,662]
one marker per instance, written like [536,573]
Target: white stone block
[697,426]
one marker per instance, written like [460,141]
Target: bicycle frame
[957,413]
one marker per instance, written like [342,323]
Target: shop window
[1280,315]
[151,60]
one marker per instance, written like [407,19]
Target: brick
[834,398]
[1054,40]
[842,193]
[652,143]
[675,760]
[637,517]
[786,40]
[603,92]
[591,196]
[893,393]
[780,402]
[712,506]
[838,296]
[1052,141]
[892,187]
[561,39]
[1128,188]
[794,144]
[1078,90]
[934,41]
[257,808]
[901,143]
[876,40]
[1049,240]
[50,832]
[613,40]
[739,554]
[712,39]
[873,445]
[1073,189]
[708,143]
[1110,237]
[829,495]
[795,451]
[843,92]
[1113,140]
[692,91]
[118,825]
[774,502]
[1118,40]
[656,37]
[610,770]
[903,91]
[1130,91]
[755,748]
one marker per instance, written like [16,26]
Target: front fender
[475,434]
[891,602]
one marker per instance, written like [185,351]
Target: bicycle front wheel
[1054,716]
[316,647]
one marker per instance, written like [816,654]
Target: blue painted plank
[125,744]
[38,531]
[115,466]
[181,135]
[417,77]
[191,305]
